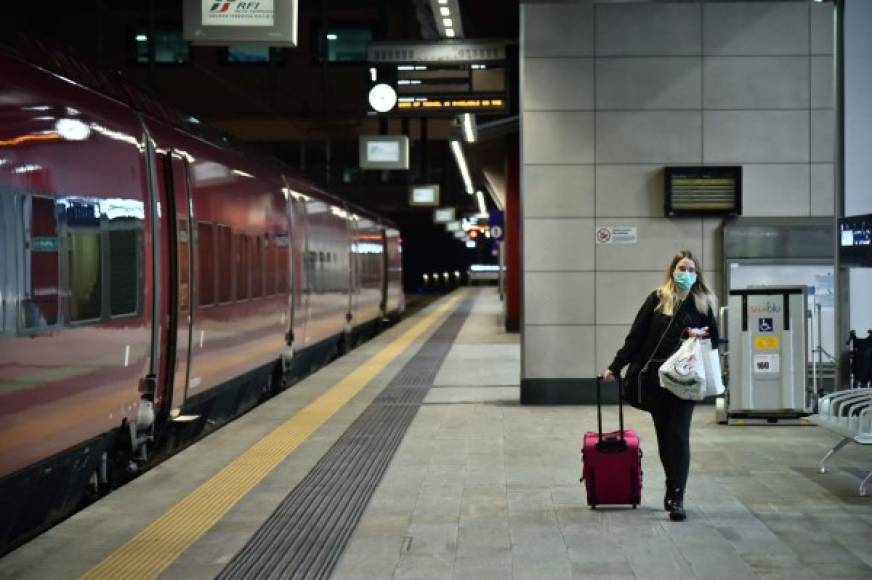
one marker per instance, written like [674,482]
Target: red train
[154,280]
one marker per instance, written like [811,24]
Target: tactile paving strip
[307,533]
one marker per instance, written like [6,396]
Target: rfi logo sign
[603,235]
[765,325]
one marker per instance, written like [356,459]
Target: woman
[683,306]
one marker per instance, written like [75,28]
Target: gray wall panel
[658,240]
[620,294]
[822,28]
[558,84]
[629,190]
[755,28]
[823,135]
[712,243]
[776,190]
[648,137]
[647,29]
[822,188]
[558,245]
[756,82]
[558,298]
[557,30]
[609,338]
[756,136]
[648,83]
[559,352]
[558,191]
[558,137]
[822,95]
[673,83]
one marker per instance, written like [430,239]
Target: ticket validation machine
[767,330]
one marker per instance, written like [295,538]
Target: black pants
[672,421]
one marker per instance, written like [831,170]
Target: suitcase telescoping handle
[599,407]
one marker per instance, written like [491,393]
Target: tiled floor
[485,488]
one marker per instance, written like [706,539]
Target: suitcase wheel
[634,506]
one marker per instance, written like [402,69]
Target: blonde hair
[703,297]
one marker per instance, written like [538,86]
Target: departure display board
[855,241]
[703,191]
[440,89]
[438,79]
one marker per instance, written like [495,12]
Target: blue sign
[765,324]
[497,228]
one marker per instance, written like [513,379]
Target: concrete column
[854,142]
[513,237]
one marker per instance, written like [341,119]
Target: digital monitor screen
[855,240]
[427,195]
[383,151]
[443,215]
[700,190]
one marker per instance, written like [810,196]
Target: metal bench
[849,414]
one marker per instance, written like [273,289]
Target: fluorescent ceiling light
[445,11]
[482,208]
[141,38]
[332,36]
[457,149]
[447,22]
[449,32]
[468,128]
[443,1]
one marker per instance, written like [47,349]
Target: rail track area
[410,457]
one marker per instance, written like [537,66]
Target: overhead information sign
[454,51]
[255,22]
[439,78]
[384,152]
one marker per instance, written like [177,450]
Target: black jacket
[648,327]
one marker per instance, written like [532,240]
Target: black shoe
[676,509]
[667,500]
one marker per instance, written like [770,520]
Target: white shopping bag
[714,384]
[683,373]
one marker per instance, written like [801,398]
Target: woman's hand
[698,332]
[608,376]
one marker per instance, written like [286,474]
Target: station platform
[411,457]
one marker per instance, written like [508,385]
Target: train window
[242,266]
[124,251]
[85,257]
[39,307]
[257,269]
[225,282]
[269,268]
[206,258]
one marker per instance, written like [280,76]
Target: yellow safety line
[157,546]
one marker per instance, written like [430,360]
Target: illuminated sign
[255,22]
[424,195]
[441,89]
[443,215]
[384,152]
[452,105]
[443,51]
[453,226]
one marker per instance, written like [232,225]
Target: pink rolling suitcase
[612,462]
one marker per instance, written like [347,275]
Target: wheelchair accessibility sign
[765,325]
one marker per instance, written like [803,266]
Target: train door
[180,225]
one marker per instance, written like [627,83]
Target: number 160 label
[767,363]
